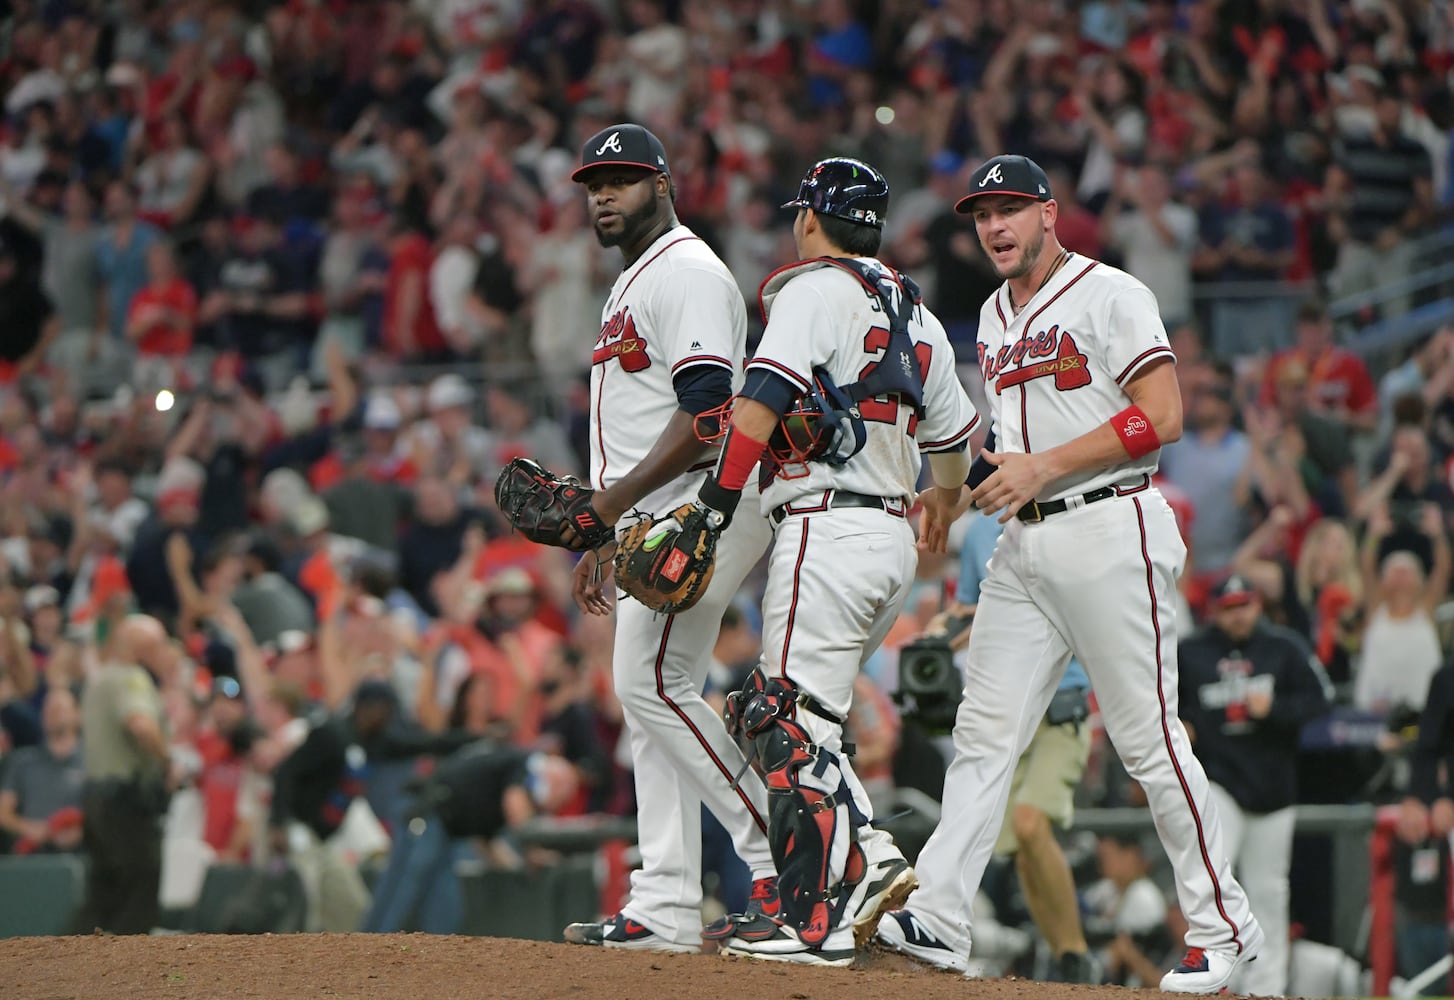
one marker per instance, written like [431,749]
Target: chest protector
[840,429]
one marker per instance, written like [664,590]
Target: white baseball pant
[836,581]
[1099,581]
[681,753]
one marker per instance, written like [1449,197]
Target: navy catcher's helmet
[846,188]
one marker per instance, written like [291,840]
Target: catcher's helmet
[845,188]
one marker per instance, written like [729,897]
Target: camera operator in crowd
[1042,791]
[1247,688]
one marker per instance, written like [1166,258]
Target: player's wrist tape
[739,454]
[1135,430]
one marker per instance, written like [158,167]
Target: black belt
[839,499]
[1035,511]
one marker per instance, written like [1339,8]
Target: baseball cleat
[906,934]
[1076,967]
[884,886]
[784,945]
[622,932]
[1209,970]
[757,922]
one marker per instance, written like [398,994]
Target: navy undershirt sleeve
[979,469]
[771,390]
[702,387]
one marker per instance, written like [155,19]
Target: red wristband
[739,454]
[1134,429]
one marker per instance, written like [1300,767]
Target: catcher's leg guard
[812,819]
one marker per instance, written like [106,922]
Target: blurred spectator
[448,443]
[128,778]
[260,302]
[1114,115]
[432,542]
[159,566]
[172,180]
[121,258]
[1403,489]
[1339,386]
[451,276]
[164,310]
[1400,645]
[31,324]
[114,512]
[269,604]
[1380,192]
[1156,236]
[1248,239]
[1209,464]
[1246,688]
[351,275]
[410,329]
[1125,914]
[40,786]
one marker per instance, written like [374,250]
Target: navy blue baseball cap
[624,145]
[1014,175]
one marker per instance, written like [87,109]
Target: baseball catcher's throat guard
[813,822]
[824,424]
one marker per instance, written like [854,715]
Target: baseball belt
[839,499]
[1034,512]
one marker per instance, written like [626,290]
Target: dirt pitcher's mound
[421,967]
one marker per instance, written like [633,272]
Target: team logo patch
[620,341]
[993,175]
[1064,361]
[613,143]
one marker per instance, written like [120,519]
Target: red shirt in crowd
[169,338]
[1337,380]
[409,271]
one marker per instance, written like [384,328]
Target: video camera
[930,685]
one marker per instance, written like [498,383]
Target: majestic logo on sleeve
[620,340]
[613,143]
[1063,361]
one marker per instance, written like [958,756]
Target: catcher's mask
[823,425]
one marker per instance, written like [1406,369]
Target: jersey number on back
[886,411]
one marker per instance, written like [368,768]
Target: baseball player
[849,334]
[673,336]
[1083,393]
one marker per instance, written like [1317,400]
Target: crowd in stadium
[287,283]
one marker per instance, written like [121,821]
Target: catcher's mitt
[667,563]
[550,509]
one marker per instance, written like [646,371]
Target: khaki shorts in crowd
[1046,777]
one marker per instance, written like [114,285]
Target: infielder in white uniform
[1083,393]
[848,335]
[673,337]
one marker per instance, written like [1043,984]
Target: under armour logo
[614,144]
[993,175]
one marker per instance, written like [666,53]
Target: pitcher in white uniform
[1082,391]
[673,337]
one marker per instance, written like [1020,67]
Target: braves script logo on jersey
[620,340]
[1065,361]
[613,143]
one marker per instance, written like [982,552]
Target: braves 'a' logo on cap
[613,143]
[993,175]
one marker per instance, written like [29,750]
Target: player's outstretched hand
[941,509]
[592,583]
[1017,480]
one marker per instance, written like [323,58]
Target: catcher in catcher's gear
[843,556]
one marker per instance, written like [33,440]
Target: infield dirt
[422,967]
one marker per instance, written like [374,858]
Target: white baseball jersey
[820,315]
[675,307]
[1056,371]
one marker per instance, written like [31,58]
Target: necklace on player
[1055,267]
